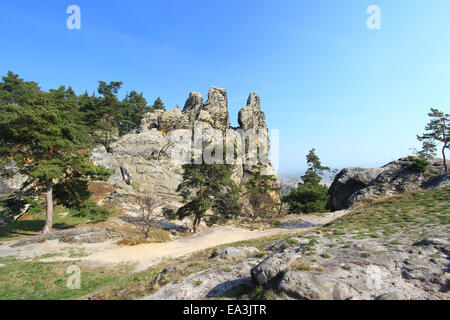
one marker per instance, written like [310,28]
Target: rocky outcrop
[347,182]
[441,181]
[267,270]
[305,286]
[251,116]
[353,185]
[144,160]
[11,180]
[76,235]
[215,111]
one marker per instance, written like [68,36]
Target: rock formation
[353,185]
[144,159]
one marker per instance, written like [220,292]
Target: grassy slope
[392,217]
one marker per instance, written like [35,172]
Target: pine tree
[13,90]
[108,108]
[134,106]
[438,130]
[158,104]
[310,195]
[45,140]
[428,150]
[259,189]
[208,187]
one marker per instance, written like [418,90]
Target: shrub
[91,210]
[307,199]
[418,165]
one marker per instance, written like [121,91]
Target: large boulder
[353,185]
[346,183]
[265,272]
[305,286]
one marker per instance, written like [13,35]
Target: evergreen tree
[208,187]
[109,109]
[438,130]
[45,140]
[134,106]
[13,90]
[260,189]
[158,104]
[88,109]
[310,195]
[428,150]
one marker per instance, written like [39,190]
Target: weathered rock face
[267,270]
[143,159]
[215,111]
[251,116]
[305,286]
[354,185]
[193,106]
[347,182]
[13,181]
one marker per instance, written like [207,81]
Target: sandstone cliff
[144,160]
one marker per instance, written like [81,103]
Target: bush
[307,199]
[91,210]
[418,165]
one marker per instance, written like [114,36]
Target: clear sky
[358,96]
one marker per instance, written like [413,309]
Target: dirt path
[147,255]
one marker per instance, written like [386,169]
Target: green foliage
[307,199]
[260,190]
[13,90]
[12,206]
[91,210]
[418,165]
[208,187]
[310,196]
[43,135]
[158,104]
[437,131]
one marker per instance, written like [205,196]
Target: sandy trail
[147,255]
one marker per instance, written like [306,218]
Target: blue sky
[326,81]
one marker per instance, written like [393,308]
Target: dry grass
[155,236]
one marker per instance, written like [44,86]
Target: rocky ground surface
[101,246]
[396,249]
[393,248]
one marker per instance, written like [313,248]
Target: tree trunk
[443,156]
[196,223]
[49,212]
[280,208]
[108,128]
